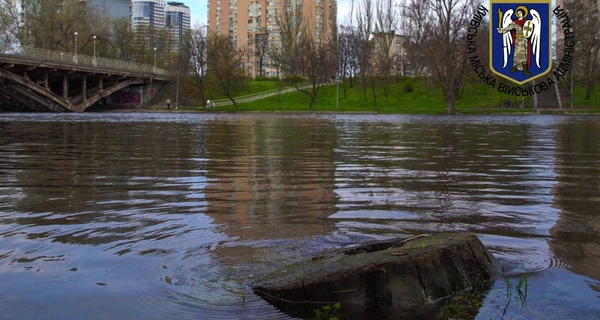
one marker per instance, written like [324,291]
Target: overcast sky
[199,10]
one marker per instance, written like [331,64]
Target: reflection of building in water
[271,181]
[450,175]
[576,234]
[106,178]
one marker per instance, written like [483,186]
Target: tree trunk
[233,101]
[373,90]
[451,107]
[200,89]
[312,101]
[590,89]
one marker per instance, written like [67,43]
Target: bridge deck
[40,79]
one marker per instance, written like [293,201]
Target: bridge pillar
[84,87]
[65,87]
[46,79]
[100,84]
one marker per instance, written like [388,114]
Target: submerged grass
[328,312]
[467,305]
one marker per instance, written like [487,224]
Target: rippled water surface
[170,216]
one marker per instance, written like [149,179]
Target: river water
[170,216]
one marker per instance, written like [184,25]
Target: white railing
[90,61]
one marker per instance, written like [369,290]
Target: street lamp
[75,42]
[337,95]
[94,59]
[154,59]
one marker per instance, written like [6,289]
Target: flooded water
[170,216]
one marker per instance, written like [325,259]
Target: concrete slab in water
[385,278]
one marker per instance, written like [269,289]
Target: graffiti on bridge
[132,96]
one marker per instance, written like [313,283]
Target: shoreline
[478,111]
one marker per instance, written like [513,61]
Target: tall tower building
[254,25]
[147,13]
[177,21]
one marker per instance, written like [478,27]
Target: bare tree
[146,39]
[413,15]
[9,25]
[303,55]
[346,55]
[197,46]
[349,48]
[51,24]
[225,64]
[261,49]
[386,41]
[365,18]
[122,39]
[587,43]
[443,41]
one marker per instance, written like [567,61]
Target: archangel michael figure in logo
[521,37]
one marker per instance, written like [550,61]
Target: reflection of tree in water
[575,236]
[99,183]
[446,172]
[271,178]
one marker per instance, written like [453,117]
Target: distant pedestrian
[168,104]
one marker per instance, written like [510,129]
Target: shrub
[401,78]
[266,78]
[409,86]
[294,79]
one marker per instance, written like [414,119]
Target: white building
[177,21]
[147,13]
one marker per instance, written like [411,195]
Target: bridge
[44,80]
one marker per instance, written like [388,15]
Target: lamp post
[94,59]
[75,55]
[94,47]
[337,82]
[571,89]
[154,59]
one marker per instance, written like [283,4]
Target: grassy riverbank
[407,96]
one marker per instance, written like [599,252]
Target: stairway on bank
[556,97]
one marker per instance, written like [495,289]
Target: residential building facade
[147,13]
[254,25]
[177,21]
[394,47]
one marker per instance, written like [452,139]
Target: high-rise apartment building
[147,13]
[254,25]
[115,8]
[177,21]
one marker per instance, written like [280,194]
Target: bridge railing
[90,61]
